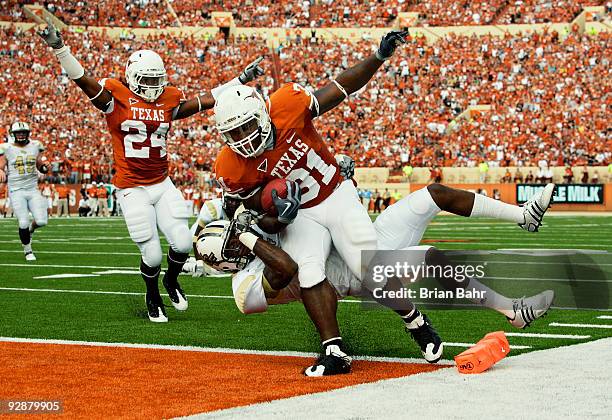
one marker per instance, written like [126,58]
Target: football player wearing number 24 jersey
[277,139]
[139,112]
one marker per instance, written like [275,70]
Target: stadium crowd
[304,13]
[547,93]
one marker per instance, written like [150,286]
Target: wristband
[248,239]
[73,68]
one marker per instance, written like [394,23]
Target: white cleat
[527,310]
[29,256]
[535,208]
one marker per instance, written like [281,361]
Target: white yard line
[106,267]
[102,292]
[603,326]
[75,253]
[206,349]
[473,344]
[604,317]
[537,335]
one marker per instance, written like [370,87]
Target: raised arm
[207,101]
[100,97]
[356,77]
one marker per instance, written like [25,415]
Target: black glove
[389,43]
[52,36]
[251,71]
[287,208]
[347,166]
[44,168]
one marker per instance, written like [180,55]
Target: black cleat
[176,294]
[155,309]
[420,328]
[333,361]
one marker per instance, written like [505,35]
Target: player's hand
[51,35]
[232,247]
[2,176]
[347,166]
[251,72]
[43,169]
[389,43]
[288,207]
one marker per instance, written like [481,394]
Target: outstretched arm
[353,79]
[207,101]
[100,97]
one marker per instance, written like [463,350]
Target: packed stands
[547,94]
[308,13]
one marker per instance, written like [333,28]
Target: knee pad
[24,222]
[151,253]
[41,221]
[139,226]
[178,206]
[181,241]
[310,274]
[422,203]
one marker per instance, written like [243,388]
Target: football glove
[44,168]
[287,208]
[389,43]
[347,166]
[51,35]
[251,72]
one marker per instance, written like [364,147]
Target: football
[267,203]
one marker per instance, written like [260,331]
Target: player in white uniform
[20,162]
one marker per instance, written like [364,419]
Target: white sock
[27,248]
[490,298]
[488,207]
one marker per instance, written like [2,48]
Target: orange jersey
[299,154]
[92,192]
[3,191]
[138,130]
[62,191]
[102,192]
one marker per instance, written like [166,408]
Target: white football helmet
[209,247]
[146,75]
[20,132]
[243,120]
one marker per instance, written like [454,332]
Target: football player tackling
[277,139]
[139,112]
[20,162]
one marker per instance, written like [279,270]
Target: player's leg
[349,225]
[309,243]
[38,207]
[19,203]
[520,312]
[140,219]
[172,220]
[468,204]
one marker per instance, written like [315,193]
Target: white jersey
[21,164]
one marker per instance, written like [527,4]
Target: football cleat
[535,208]
[333,361]
[155,309]
[420,328]
[527,310]
[176,294]
[29,256]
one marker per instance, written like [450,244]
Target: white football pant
[29,201]
[147,208]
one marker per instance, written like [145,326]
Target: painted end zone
[94,381]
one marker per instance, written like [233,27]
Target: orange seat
[488,351]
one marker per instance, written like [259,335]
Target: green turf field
[107,302]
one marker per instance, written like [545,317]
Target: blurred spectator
[62,200]
[568,175]
[518,176]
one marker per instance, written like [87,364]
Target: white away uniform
[23,182]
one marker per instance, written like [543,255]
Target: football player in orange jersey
[139,112]
[277,139]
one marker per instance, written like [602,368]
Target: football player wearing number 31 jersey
[273,139]
[139,112]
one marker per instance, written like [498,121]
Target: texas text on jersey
[138,130]
[299,154]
